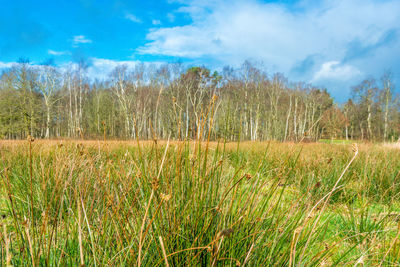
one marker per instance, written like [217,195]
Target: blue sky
[328,43]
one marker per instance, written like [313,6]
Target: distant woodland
[150,101]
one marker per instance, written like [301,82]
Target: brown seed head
[214,98]
[298,230]
[317,185]
[155,184]
[218,209]
[30,138]
[226,232]
[165,197]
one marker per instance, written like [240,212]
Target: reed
[173,203]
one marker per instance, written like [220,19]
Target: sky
[328,43]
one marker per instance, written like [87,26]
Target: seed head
[226,232]
[298,230]
[165,197]
[248,176]
[317,185]
[355,148]
[218,209]
[155,184]
[214,98]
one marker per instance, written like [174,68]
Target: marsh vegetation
[150,203]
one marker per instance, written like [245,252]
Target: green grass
[192,204]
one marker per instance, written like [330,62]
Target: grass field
[117,203]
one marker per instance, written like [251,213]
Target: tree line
[169,100]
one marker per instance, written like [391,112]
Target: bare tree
[365,93]
[387,98]
[121,90]
[48,84]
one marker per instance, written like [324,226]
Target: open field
[183,203]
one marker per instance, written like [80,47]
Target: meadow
[169,203]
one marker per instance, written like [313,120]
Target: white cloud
[58,53]
[133,18]
[283,36]
[5,65]
[333,70]
[80,39]
[101,68]
[98,68]
[156,22]
[32,64]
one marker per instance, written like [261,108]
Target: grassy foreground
[190,204]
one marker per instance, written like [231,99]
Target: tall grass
[188,203]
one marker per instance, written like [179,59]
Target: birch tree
[120,87]
[48,84]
